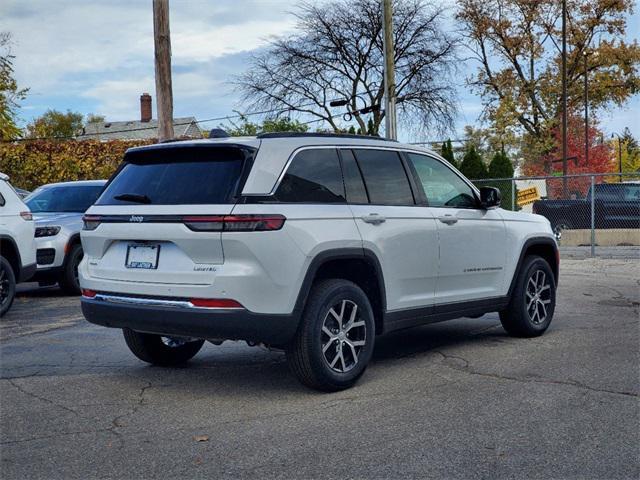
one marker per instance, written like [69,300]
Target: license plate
[142,256]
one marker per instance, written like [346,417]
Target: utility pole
[564,100]
[162,48]
[389,74]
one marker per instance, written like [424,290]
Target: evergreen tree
[472,165]
[501,167]
[447,153]
[370,128]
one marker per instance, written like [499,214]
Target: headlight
[47,231]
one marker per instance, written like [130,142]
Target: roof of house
[137,130]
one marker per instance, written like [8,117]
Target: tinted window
[2,202]
[385,177]
[609,192]
[177,176]
[441,185]
[632,193]
[69,198]
[353,183]
[313,176]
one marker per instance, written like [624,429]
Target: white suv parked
[311,243]
[17,243]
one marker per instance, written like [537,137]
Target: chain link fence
[598,211]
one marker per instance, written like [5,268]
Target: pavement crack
[41,398]
[116,422]
[465,368]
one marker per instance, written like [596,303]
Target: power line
[214,119]
[70,137]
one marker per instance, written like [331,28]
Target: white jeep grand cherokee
[311,243]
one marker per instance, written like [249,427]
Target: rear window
[314,176]
[67,198]
[177,176]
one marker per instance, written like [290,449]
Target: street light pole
[389,74]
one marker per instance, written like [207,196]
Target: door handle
[448,219]
[373,218]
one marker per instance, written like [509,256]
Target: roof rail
[319,134]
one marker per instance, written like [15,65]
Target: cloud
[98,56]
[119,99]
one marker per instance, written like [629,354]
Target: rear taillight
[234,223]
[215,303]
[26,216]
[91,222]
[88,293]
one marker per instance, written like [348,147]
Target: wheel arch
[544,247]
[72,242]
[358,265]
[9,250]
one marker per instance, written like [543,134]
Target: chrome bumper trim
[152,302]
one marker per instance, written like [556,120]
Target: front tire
[533,301]
[562,225]
[7,286]
[335,339]
[68,280]
[159,350]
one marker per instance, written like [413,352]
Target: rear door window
[353,183]
[385,177]
[313,176]
[178,176]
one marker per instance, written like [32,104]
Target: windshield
[68,198]
[177,176]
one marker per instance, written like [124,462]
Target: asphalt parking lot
[453,400]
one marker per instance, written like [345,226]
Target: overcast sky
[97,57]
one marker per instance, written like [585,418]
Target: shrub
[34,163]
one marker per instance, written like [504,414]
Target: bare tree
[337,53]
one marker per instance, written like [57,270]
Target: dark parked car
[617,205]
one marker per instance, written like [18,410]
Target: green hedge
[30,164]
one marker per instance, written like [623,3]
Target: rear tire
[533,301]
[159,350]
[7,286]
[68,279]
[335,339]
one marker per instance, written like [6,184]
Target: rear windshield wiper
[132,197]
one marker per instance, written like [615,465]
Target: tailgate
[139,246]
[158,220]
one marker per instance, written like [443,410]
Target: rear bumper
[229,324]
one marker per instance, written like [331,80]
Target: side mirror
[490,197]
